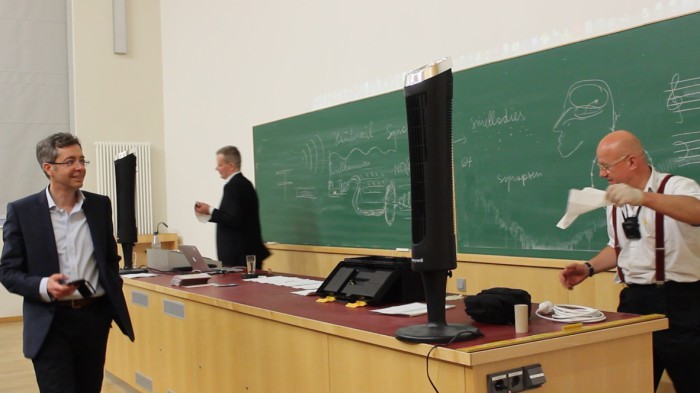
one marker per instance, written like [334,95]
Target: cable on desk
[569,313]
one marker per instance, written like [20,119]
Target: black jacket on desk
[29,254]
[238,230]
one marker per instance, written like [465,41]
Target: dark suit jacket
[238,224]
[29,253]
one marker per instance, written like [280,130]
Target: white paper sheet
[307,292]
[580,202]
[410,309]
[202,217]
[139,275]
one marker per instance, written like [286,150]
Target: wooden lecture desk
[258,337]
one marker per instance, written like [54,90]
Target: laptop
[195,259]
[199,263]
[166,260]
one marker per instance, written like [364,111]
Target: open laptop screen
[196,260]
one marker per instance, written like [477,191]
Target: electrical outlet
[516,382]
[497,383]
[462,284]
[533,376]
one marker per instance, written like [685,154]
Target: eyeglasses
[607,167]
[71,163]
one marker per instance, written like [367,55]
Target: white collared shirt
[76,253]
[211,208]
[681,241]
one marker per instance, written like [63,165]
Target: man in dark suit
[238,230]
[51,238]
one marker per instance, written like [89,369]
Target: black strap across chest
[660,249]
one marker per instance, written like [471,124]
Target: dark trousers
[676,349]
[72,358]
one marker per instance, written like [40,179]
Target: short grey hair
[231,155]
[47,148]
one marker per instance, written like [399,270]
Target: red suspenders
[660,250]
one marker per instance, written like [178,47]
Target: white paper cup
[521,318]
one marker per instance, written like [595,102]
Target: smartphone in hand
[78,282]
[84,288]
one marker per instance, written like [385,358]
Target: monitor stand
[437,330]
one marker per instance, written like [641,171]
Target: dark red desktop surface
[280,299]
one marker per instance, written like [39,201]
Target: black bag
[496,305]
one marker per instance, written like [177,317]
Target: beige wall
[116,97]
[120,97]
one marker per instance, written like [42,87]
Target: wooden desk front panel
[595,367]
[163,351]
[236,353]
[622,365]
[356,366]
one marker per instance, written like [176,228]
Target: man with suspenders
[654,232]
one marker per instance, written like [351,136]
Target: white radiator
[107,185]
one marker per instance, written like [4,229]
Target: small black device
[77,282]
[375,280]
[84,287]
[631,227]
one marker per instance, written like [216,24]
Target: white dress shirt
[76,253]
[681,241]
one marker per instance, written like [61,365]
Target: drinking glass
[250,263]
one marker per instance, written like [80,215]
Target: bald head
[621,158]
[620,143]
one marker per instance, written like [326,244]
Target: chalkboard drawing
[397,201]
[306,192]
[688,148]
[588,107]
[375,196]
[311,154]
[370,198]
[683,95]
[375,189]
[284,183]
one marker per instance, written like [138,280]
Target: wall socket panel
[462,284]
[510,381]
[497,383]
[516,380]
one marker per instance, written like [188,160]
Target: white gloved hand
[621,194]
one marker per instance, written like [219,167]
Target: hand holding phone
[84,287]
[78,282]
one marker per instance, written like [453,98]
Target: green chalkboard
[524,133]
[337,177]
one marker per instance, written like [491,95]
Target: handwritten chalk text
[493,119]
[522,178]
